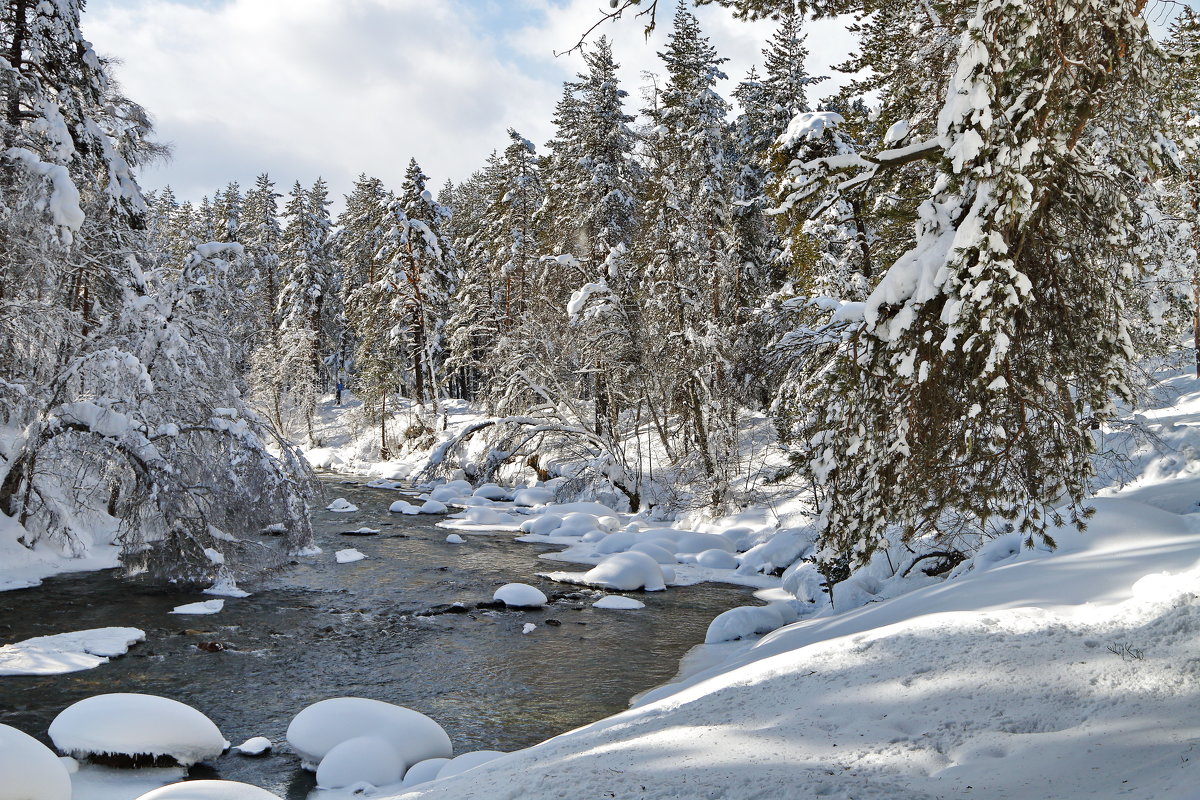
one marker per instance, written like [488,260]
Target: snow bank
[203,607]
[29,769]
[209,790]
[466,761]
[136,725]
[520,595]
[363,759]
[67,652]
[626,572]
[316,730]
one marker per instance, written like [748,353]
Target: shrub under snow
[127,724]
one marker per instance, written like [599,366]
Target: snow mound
[255,746]
[542,525]
[322,726]
[491,491]
[717,559]
[363,759]
[616,601]
[424,771]
[528,627]
[30,770]
[136,725]
[454,538]
[617,542]
[404,507]
[432,507]
[226,586]
[466,761]
[209,790]
[577,523]
[520,595]
[746,621]
[626,572]
[348,556]
[342,506]
[67,652]
[203,607]
[485,516]
[655,550]
[533,497]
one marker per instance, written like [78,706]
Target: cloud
[301,88]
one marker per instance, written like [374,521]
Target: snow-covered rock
[348,556]
[67,652]
[655,550]
[577,523]
[433,507]
[322,726]
[492,491]
[746,621]
[536,496]
[226,586]
[626,572]
[528,627]
[342,506]
[454,538]
[618,602]
[520,595]
[542,525]
[688,541]
[617,542]
[466,761]
[485,516]
[209,790]
[592,536]
[136,725]
[29,770]
[363,759]
[717,559]
[424,771]
[203,607]
[254,746]
[781,550]
[404,507]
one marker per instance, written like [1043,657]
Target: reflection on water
[321,629]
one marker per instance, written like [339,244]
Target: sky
[334,88]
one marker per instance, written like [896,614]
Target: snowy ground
[1024,674]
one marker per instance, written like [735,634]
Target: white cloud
[301,88]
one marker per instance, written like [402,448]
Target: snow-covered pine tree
[970,382]
[305,257]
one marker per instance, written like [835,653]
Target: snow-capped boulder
[607,523]
[520,595]
[717,559]
[341,506]
[804,582]
[689,541]
[454,538]
[255,746]
[203,607]
[452,492]
[536,496]
[322,726]
[485,516]
[492,491]
[348,556]
[655,550]
[741,537]
[781,550]
[542,525]
[423,771]
[618,603]
[595,509]
[363,759]
[134,725]
[577,523]
[592,536]
[460,764]
[30,770]
[404,507]
[617,542]
[746,621]
[432,507]
[626,572]
[209,790]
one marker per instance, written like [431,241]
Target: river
[319,629]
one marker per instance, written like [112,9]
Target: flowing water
[319,629]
